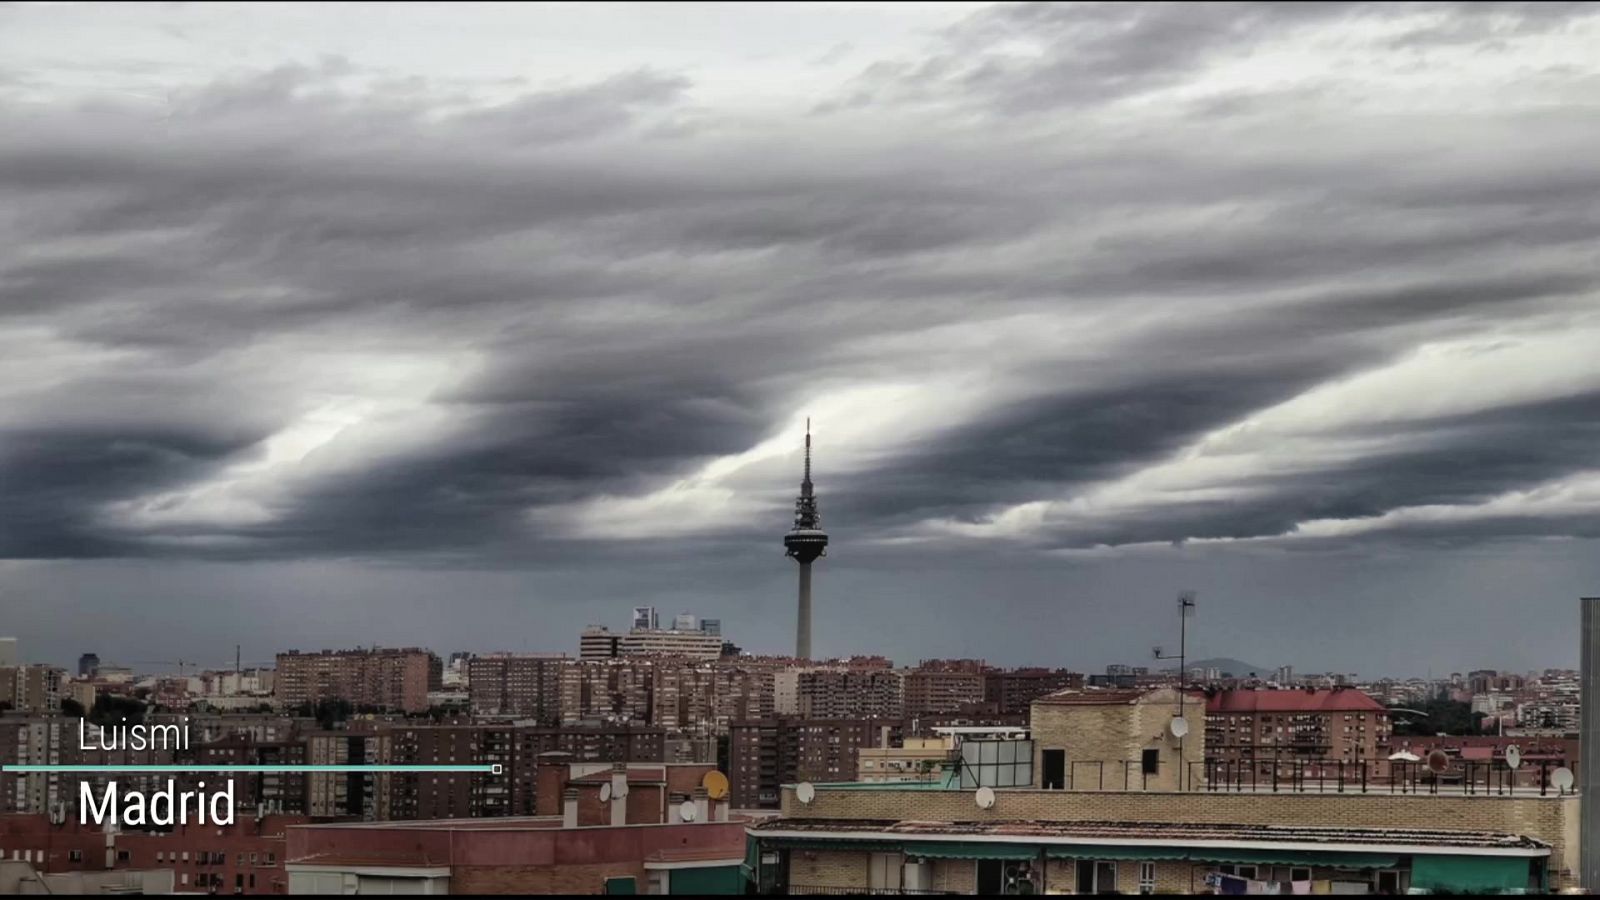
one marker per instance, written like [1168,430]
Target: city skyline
[315,341]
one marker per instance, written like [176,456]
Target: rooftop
[1114,697]
[1164,834]
[1335,700]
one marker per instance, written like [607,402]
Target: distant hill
[1238,667]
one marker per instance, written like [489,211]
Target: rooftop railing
[1458,777]
[1300,774]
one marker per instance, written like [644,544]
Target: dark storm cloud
[1093,53]
[480,316]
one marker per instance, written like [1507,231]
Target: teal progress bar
[487,769]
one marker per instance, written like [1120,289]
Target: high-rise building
[88,664]
[711,626]
[764,755]
[1014,691]
[8,652]
[1293,728]
[941,690]
[597,642]
[806,541]
[644,618]
[685,622]
[849,693]
[525,686]
[33,689]
[692,644]
[385,678]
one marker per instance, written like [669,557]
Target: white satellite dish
[1513,756]
[1179,726]
[1561,779]
[687,811]
[984,798]
[804,792]
[605,792]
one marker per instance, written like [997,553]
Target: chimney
[702,805]
[569,808]
[722,810]
[619,794]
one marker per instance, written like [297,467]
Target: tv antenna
[1185,609]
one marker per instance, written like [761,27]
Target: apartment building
[393,679]
[525,686]
[1291,729]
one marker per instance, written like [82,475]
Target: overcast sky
[467,326]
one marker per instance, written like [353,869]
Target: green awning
[1474,874]
[752,858]
[1329,858]
[1086,851]
[969,850]
[707,880]
[825,843]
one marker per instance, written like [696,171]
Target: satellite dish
[605,791]
[804,792]
[716,785]
[1179,726]
[1561,779]
[687,811]
[984,798]
[1513,756]
[1438,761]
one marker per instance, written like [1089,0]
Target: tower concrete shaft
[802,628]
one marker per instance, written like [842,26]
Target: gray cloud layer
[1078,278]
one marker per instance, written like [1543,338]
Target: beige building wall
[1106,733]
[1549,819]
[905,763]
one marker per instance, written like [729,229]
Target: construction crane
[180,663]
[220,666]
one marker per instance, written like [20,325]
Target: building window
[1147,878]
[1055,769]
[75,855]
[1151,761]
[1096,877]
[1389,882]
[884,874]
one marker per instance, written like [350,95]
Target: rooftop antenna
[807,478]
[1185,609]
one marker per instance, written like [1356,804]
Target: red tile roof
[635,776]
[1252,701]
[1096,697]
